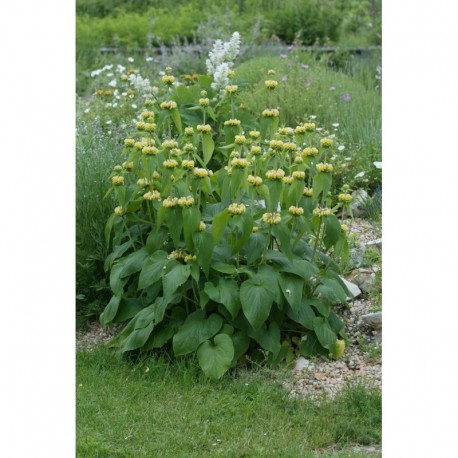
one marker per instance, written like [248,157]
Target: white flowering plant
[225,241]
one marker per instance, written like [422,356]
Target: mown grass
[157,408]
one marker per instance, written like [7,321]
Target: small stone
[363,278]
[374,243]
[301,363]
[320,376]
[359,199]
[354,289]
[373,320]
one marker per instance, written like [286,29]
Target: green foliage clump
[224,242]
[306,20]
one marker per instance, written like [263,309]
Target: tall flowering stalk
[221,60]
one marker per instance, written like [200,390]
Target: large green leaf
[304,315]
[195,330]
[203,241]
[326,336]
[134,262]
[177,119]
[245,223]
[116,282]
[333,230]
[319,305]
[219,224]
[291,286]
[191,221]
[269,339]
[226,292]
[283,235]
[110,310]
[321,184]
[175,278]
[215,358]
[256,295]
[255,246]
[208,146]
[153,269]
[310,345]
[241,343]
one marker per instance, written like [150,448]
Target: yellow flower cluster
[239,163]
[170,163]
[326,142]
[344,227]
[200,173]
[308,192]
[240,139]
[188,131]
[255,229]
[175,152]
[186,201]
[124,78]
[204,102]
[168,79]
[237,209]
[190,258]
[276,145]
[129,142]
[288,131]
[152,195]
[231,89]
[140,125]
[255,181]
[324,167]
[202,226]
[170,105]
[309,152]
[178,254]
[119,211]
[142,182]
[117,180]
[271,84]
[170,202]
[117,168]
[169,144]
[128,165]
[149,150]
[254,134]
[189,148]
[186,164]
[204,128]
[298,159]
[271,113]
[296,211]
[321,212]
[288,179]
[156,175]
[230,73]
[345,198]
[105,92]
[309,126]
[271,218]
[147,114]
[298,175]
[256,150]
[275,174]
[289,146]
[232,122]
[150,127]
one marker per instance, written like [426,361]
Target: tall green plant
[224,241]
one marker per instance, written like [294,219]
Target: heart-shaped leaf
[215,358]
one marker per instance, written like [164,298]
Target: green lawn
[159,408]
